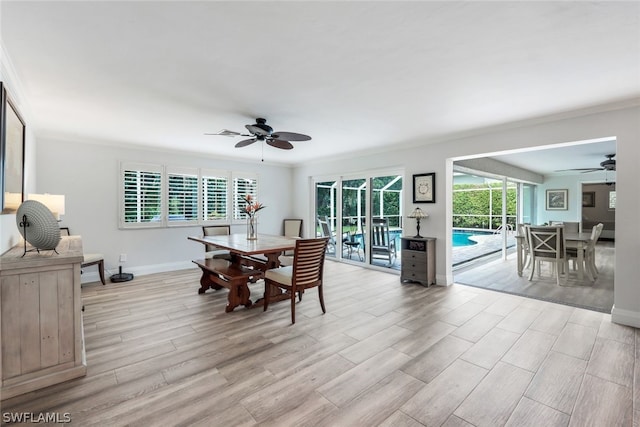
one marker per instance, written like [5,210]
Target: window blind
[141,195]
[182,195]
[243,186]
[214,196]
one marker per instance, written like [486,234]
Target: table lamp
[418,215]
[54,202]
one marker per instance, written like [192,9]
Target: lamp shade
[12,200]
[417,213]
[55,202]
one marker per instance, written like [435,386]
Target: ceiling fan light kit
[261,131]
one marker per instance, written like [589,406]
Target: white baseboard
[93,276]
[625,317]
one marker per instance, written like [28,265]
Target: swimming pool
[461,237]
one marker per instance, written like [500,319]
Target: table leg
[206,282]
[275,293]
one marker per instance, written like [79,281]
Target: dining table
[250,258]
[578,241]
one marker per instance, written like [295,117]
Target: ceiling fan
[606,165]
[261,131]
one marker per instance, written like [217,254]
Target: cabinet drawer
[409,255]
[414,266]
[414,275]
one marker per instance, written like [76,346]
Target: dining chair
[526,258]
[306,272]
[291,228]
[547,243]
[213,251]
[589,254]
[569,226]
[88,259]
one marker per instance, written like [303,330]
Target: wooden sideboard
[418,260]
[41,318]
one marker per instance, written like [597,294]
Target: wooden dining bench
[220,273]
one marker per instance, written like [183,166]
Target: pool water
[461,237]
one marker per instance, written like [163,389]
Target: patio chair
[326,231]
[382,245]
[306,272]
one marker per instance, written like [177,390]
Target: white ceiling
[353,75]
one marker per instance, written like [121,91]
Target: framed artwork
[424,188]
[557,200]
[12,139]
[588,199]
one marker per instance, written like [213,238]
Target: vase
[252,228]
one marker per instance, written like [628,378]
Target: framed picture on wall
[12,138]
[424,188]
[557,200]
[588,199]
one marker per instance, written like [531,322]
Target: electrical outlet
[123,257]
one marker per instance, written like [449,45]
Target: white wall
[88,176]
[437,157]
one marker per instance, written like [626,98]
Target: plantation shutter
[215,195]
[182,195]
[243,185]
[141,195]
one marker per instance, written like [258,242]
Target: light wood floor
[385,353]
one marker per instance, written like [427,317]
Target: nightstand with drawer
[418,260]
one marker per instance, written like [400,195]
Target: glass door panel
[354,204]
[326,212]
[385,228]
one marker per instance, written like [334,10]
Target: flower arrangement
[250,208]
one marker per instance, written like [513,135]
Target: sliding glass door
[349,207]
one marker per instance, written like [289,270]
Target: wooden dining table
[249,260]
[579,241]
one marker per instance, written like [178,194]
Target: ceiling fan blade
[580,169]
[227,132]
[285,145]
[246,142]
[291,136]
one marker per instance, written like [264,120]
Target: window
[141,195]
[160,196]
[214,196]
[242,187]
[612,199]
[182,195]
